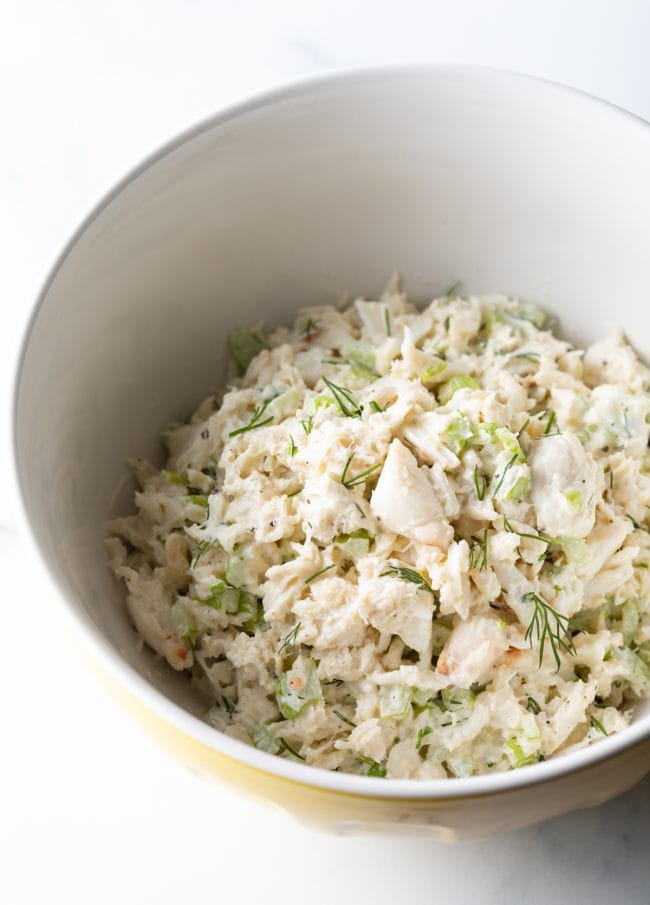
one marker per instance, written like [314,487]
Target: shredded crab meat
[404,542]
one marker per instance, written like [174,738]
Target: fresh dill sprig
[255,422]
[293,449]
[360,478]
[637,525]
[294,492]
[406,574]
[424,731]
[387,320]
[522,428]
[541,627]
[319,573]
[480,483]
[512,461]
[309,329]
[308,424]
[552,417]
[202,548]
[478,555]
[374,767]
[287,747]
[598,725]
[453,290]
[226,704]
[346,402]
[375,406]
[290,639]
[344,719]
[527,356]
[533,706]
[541,537]
[359,509]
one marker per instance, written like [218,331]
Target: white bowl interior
[445,173]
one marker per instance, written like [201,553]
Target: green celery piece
[216,598]
[574,498]
[447,389]
[199,499]
[361,359]
[505,438]
[293,700]
[458,434]
[236,570]
[394,701]
[183,621]
[516,755]
[356,544]
[244,346]
[285,405]
[456,698]
[435,369]
[518,490]
[460,766]
[262,739]
[575,549]
[252,608]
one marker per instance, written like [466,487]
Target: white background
[90,810]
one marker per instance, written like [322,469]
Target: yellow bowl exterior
[463,818]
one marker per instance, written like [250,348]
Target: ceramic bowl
[444,172]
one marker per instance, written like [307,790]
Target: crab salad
[404,542]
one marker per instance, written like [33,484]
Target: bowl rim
[82,628]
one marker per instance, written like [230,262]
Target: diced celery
[217,591]
[505,438]
[394,701]
[636,670]
[174,477]
[484,433]
[236,570]
[183,620]
[262,739]
[458,434]
[285,404]
[198,499]
[643,653]
[574,498]
[355,545]
[361,359]
[456,698]
[518,490]
[297,688]
[322,400]
[423,697]
[628,622]
[460,766]
[374,768]
[244,345]
[575,549]
[447,389]
[231,600]
[516,756]
[525,311]
[440,634]
[529,727]
[250,607]
[434,370]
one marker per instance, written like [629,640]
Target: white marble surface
[91,811]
